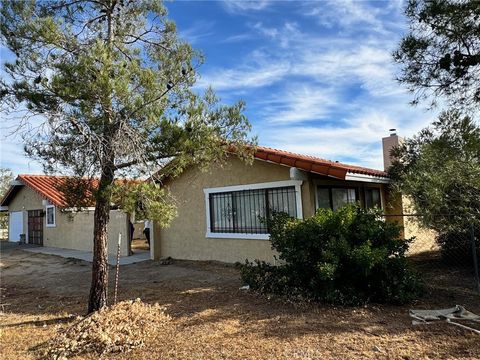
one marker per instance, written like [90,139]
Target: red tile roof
[49,187]
[313,164]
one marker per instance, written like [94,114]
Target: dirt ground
[213,319]
[140,244]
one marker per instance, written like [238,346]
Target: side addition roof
[315,164]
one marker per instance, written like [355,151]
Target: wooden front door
[35,227]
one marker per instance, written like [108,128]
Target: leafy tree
[441,53]
[113,84]
[6,177]
[440,170]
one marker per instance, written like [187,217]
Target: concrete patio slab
[138,256]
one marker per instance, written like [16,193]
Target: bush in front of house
[350,256]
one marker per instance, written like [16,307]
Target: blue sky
[318,77]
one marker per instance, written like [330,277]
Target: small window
[50,215]
[372,198]
[335,197]
[323,198]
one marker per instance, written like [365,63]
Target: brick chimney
[388,143]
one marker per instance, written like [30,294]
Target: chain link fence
[449,259]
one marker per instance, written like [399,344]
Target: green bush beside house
[348,257]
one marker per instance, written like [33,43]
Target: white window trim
[54,216]
[267,185]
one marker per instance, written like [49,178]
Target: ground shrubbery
[349,256]
[456,247]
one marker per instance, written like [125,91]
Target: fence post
[118,268]
[475,259]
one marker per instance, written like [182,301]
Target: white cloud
[237,38]
[349,15]
[258,71]
[283,36]
[197,31]
[234,6]
[355,137]
[298,102]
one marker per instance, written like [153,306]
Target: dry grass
[213,319]
[140,244]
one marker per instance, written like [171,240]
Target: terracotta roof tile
[49,187]
[313,164]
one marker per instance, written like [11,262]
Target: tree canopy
[6,177]
[110,89]
[440,56]
[440,170]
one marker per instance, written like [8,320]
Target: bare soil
[212,319]
[140,244]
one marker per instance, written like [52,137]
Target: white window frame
[54,216]
[268,185]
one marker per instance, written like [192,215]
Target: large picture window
[244,211]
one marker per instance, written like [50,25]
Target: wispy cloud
[298,102]
[199,30]
[350,15]
[234,6]
[237,38]
[256,72]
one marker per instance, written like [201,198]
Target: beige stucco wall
[185,238]
[400,207]
[424,238]
[72,230]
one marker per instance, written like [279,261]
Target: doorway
[35,227]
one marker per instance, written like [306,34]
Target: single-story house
[39,214]
[219,210]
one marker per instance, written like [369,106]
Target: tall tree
[440,56]
[440,170]
[6,177]
[113,83]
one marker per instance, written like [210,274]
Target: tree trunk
[99,285]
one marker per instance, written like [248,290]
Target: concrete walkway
[138,256]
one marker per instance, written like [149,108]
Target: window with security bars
[244,211]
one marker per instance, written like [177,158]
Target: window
[239,213]
[335,197]
[50,218]
[372,198]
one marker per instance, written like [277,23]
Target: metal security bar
[244,211]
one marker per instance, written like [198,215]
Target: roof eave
[352,176]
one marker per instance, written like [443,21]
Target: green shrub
[456,247]
[349,256]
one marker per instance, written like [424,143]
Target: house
[39,214]
[219,210]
